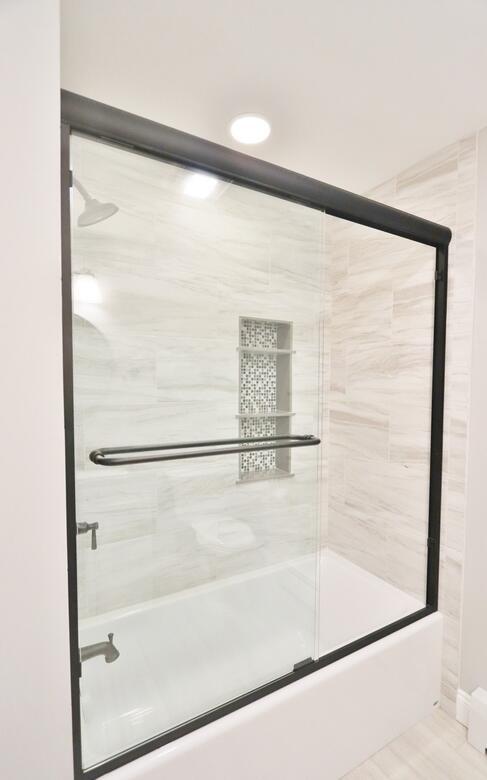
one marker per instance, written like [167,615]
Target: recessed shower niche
[265,409]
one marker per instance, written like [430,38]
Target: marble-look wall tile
[156,361]
[377,517]
[381,323]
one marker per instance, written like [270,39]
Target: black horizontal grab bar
[254,444]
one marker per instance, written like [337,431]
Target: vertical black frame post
[436,433]
[111,125]
[70,444]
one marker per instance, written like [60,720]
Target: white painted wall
[151,57]
[474,629]
[35,721]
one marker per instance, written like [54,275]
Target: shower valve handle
[83,528]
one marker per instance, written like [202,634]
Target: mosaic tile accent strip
[258,333]
[258,461]
[259,392]
[258,383]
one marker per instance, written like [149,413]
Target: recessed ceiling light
[250,128]
[199,185]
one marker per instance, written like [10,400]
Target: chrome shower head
[94,211]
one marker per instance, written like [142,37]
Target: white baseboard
[463,707]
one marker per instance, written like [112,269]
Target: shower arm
[82,190]
[244,445]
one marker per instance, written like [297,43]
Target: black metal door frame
[102,122]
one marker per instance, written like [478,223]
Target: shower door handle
[128,456]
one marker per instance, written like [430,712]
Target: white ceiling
[356,90]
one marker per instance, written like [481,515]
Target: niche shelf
[257,476]
[268,351]
[277,413]
[265,370]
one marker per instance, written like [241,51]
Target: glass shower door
[197,314]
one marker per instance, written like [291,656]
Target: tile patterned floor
[435,749]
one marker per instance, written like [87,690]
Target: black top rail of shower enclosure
[254,444]
[138,134]
[111,124]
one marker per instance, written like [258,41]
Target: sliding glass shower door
[197,316]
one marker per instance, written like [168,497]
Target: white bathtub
[317,728]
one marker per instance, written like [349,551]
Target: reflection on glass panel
[198,311]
